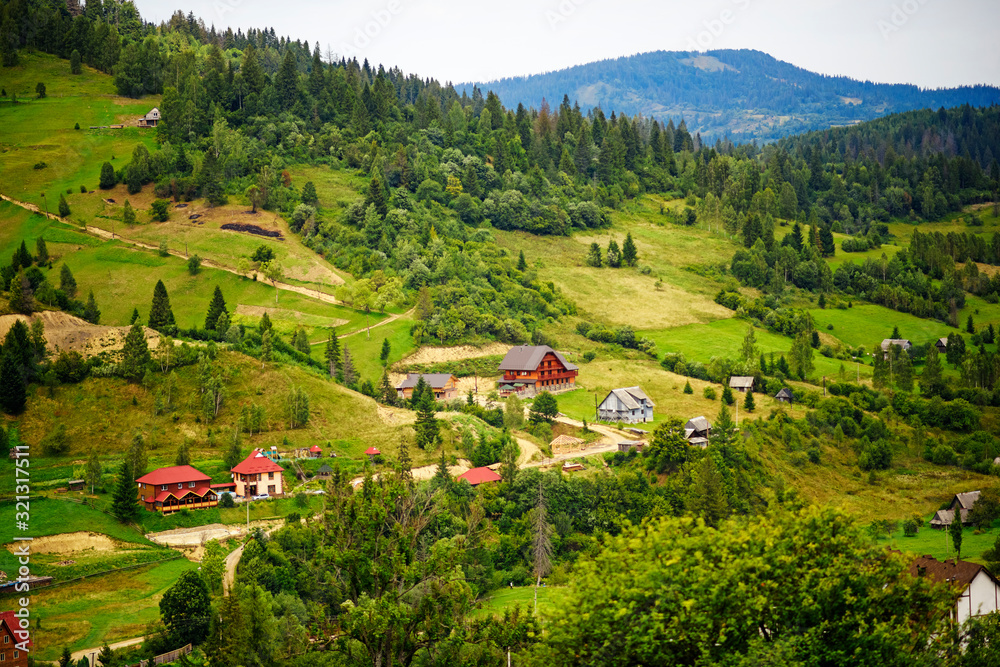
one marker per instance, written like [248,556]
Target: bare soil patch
[435,355]
[252,229]
[66,543]
[65,332]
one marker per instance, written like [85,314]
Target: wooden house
[629,405]
[175,488]
[942,345]
[478,476]
[257,474]
[626,445]
[977,591]
[150,119]
[565,444]
[961,503]
[741,383]
[444,385]
[697,431]
[15,642]
[784,396]
[530,369]
[903,344]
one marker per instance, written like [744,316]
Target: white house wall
[980,598]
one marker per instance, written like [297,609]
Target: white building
[978,591]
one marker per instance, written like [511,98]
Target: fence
[166,657]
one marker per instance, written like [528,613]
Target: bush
[910,528]
[710,393]
[160,210]
[194,264]
[226,501]
[814,455]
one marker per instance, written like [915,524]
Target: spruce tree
[124,505]
[91,312]
[427,427]
[522,264]
[128,214]
[67,283]
[300,341]
[264,324]
[309,194]
[630,256]
[386,392]
[931,381]
[20,298]
[108,179]
[265,347]
[41,251]
[13,393]
[748,402]
[135,316]
[386,351]
[727,395]
[332,354]
[350,374]
[74,62]
[63,206]
[161,316]
[135,354]
[215,308]
[614,254]
[895,333]
[970,325]
[22,258]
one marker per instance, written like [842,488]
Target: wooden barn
[150,119]
[531,369]
[629,405]
[741,383]
[697,431]
[784,396]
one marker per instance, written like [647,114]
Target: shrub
[687,388]
[710,393]
[226,501]
[910,528]
[160,210]
[589,356]
[41,165]
[194,264]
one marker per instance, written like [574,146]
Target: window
[270,488]
[270,475]
[163,487]
[6,639]
[180,485]
[190,485]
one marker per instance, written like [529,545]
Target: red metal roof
[315,448]
[181,493]
[10,620]
[225,485]
[372,451]
[479,476]
[174,475]
[257,462]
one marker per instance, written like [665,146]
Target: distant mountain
[741,94]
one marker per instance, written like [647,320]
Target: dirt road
[91,653]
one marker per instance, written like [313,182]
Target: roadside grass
[155,522]
[42,130]
[501,600]
[109,608]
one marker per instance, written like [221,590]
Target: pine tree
[66,659]
[594,256]
[41,251]
[614,254]
[300,341]
[13,392]
[687,388]
[265,347]
[135,316]
[630,256]
[386,351]
[970,325]
[309,194]
[108,179]
[427,427]
[904,372]
[522,264]
[135,354]
[895,333]
[931,382]
[386,392]
[350,374]
[727,395]
[264,324]
[63,206]
[74,62]
[216,308]
[67,283]
[161,316]
[124,505]
[91,312]
[442,478]
[748,402]
[21,298]
[22,258]
[332,355]
[128,214]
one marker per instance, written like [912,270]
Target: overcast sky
[931,43]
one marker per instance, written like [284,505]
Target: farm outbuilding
[784,396]
[150,119]
[697,431]
[629,405]
[741,383]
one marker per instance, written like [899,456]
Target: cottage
[942,345]
[741,383]
[784,396]
[887,344]
[629,405]
[530,369]
[626,445]
[77,484]
[15,643]
[175,488]
[150,119]
[698,431]
[372,452]
[315,452]
[977,591]
[478,476]
[256,475]
[961,503]
[565,444]
[444,385]
[324,472]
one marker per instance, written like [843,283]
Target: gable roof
[632,398]
[435,380]
[174,475]
[954,571]
[8,619]
[696,424]
[479,476]
[943,341]
[566,440]
[785,392]
[965,500]
[902,342]
[256,463]
[528,357]
[740,381]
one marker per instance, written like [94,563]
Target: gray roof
[325,469]
[435,380]
[697,424]
[943,341]
[784,393]
[889,342]
[527,358]
[631,397]
[738,381]
[966,500]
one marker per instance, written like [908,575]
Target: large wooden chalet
[531,369]
[176,488]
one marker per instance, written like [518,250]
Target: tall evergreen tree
[63,206]
[427,428]
[522,264]
[135,354]
[91,312]
[266,349]
[67,283]
[108,179]
[350,374]
[125,502]
[41,251]
[630,256]
[215,309]
[161,316]
[386,351]
[13,392]
[21,298]
[286,82]
[931,380]
[332,355]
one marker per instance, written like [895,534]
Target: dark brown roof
[960,572]
[435,380]
[528,357]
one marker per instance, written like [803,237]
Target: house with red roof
[478,476]
[257,474]
[976,590]
[175,488]
[11,636]
[315,452]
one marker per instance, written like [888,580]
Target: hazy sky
[931,43]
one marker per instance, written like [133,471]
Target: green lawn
[868,325]
[365,351]
[500,600]
[51,517]
[937,543]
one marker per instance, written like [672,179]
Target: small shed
[942,345]
[324,472]
[697,431]
[741,383]
[477,476]
[372,452]
[628,404]
[626,445]
[315,452]
[150,119]
[902,343]
[784,396]
[77,484]
[566,443]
